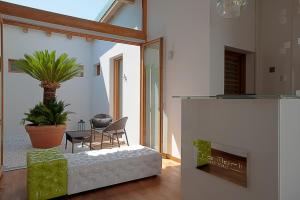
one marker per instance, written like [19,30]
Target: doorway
[118,87]
[234,73]
[152,94]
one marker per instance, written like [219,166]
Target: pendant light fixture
[230,8]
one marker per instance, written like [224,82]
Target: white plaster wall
[129,16]
[185,25]
[237,33]
[289,149]
[197,38]
[21,92]
[253,126]
[102,86]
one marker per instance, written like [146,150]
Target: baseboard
[168,156]
[174,158]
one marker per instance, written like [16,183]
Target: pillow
[101,122]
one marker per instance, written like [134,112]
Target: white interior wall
[22,92]
[289,149]
[196,39]
[237,33]
[102,86]
[253,127]
[185,26]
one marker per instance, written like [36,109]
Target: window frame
[10,68]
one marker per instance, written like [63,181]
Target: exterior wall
[21,92]
[129,16]
[102,86]
[253,126]
[89,95]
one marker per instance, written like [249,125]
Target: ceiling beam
[54,18]
[69,34]
[127,1]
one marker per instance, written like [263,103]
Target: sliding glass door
[151,94]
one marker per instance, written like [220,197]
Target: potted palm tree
[47,120]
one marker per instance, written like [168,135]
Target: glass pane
[151,64]
[120,13]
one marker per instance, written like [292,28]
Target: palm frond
[51,114]
[44,66]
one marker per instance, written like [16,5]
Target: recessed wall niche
[223,161]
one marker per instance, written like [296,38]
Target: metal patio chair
[115,129]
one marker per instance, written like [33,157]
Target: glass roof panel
[84,9]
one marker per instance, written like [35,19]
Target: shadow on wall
[100,100]
[99,97]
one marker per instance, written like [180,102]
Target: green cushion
[46,174]
[203,152]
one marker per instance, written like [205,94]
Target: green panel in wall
[203,152]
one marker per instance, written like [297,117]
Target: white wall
[253,126]
[129,16]
[21,92]
[237,33]
[102,86]
[186,29]
[289,149]
[197,37]
[89,95]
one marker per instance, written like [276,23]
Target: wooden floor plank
[163,187]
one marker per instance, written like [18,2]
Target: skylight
[84,9]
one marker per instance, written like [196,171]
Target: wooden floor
[164,187]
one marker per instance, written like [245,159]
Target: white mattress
[95,169]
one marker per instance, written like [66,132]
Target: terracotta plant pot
[45,137]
